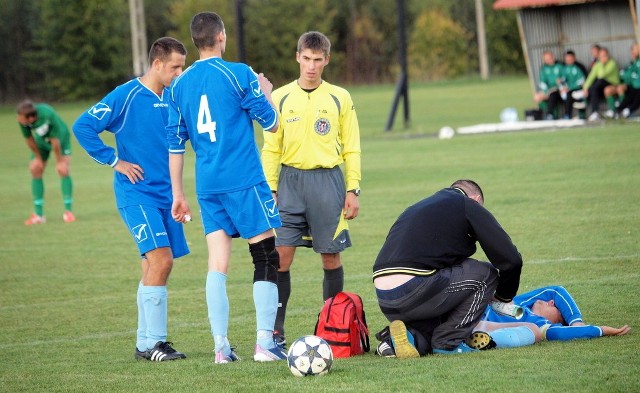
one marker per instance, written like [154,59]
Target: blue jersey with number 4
[137,117]
[212,104]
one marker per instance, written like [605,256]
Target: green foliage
[16,27]
[437,47]
[285,20]
[567,198]
[503,41]
[183,11]
[79,45]
[65,50]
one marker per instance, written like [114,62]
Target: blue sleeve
[90,124]
[561,298]
[566,333]
[255,102]
[177,134]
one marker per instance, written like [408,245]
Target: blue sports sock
[218,307]
[155,313]
[513,337]
[265,299]
[141,334]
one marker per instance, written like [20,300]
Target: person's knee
[331,261]
[609,91]
[63,171]
[36,170]
[285,255]
[266,260]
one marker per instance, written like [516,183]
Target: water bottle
[508,309]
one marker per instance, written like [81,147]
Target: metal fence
[576,27]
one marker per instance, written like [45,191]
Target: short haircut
[163,47]
[315,41]
[25,106]
[470,187]
[205,28]
[570,52]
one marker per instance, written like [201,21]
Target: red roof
[515,4]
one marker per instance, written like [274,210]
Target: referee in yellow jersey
[318,133]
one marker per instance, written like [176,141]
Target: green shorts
[65,147]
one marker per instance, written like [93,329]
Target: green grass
[568,198]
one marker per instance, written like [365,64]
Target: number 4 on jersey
[206,125]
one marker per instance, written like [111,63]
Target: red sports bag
[342,324]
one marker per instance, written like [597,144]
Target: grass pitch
[569,200]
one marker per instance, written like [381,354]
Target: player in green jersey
[45,132]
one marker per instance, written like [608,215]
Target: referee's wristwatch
[356,191]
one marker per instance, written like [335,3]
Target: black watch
[355,191]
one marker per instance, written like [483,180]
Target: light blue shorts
[245,213]
[153,228]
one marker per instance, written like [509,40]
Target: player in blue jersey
[556,313]
[136,112]
[212,104]
[548,313]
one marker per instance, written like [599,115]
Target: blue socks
[154,299]
[218,310]
[141,334]
[513,337]
[265,299]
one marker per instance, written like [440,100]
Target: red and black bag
[342,324]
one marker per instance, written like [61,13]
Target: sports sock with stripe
[66,184]
[37,190]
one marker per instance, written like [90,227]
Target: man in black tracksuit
[425,280]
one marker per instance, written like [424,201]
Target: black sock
[333,282]
[284,291]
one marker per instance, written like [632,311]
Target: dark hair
[163,47]
[570,52]
[315,41]
[26,106]
[470,187]
[205,28]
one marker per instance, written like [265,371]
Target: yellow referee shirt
[317,130]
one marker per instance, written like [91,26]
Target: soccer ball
[446,132]
[509,115]
[309,355]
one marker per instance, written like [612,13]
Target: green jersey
[572,76]
[48,125]
[631,74]
[608,71]
[549,75]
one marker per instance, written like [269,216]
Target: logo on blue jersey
[140,232]
[255,88]
[322,126]
[99,110]
[272,208]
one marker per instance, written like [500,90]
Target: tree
[437,48]
[17,22]
[272,29]
[82,47]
